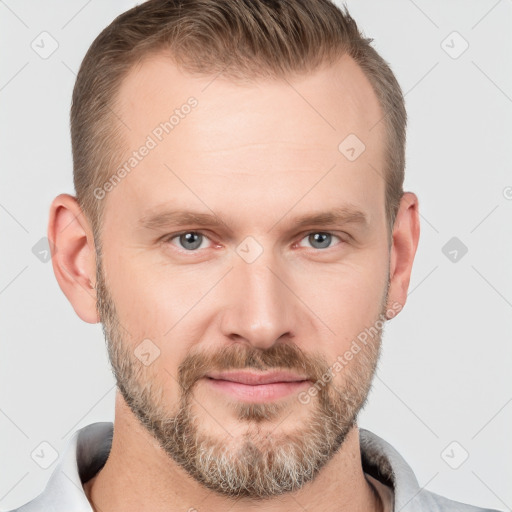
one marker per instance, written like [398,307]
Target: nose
[260,309]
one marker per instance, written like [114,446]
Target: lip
[256,387]
[257,379]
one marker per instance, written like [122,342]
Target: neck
[139,476]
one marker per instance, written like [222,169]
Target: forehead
[330,101]
[283,134]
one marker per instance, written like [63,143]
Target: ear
[73,255]
[406,234]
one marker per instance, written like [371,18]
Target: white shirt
[87,451]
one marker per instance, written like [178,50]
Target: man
[241,231]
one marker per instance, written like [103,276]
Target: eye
[188,240]
[320,239]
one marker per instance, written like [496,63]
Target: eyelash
[169,238]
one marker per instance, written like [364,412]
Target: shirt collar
[64,491]
[88,448]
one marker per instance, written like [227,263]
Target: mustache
[282,356]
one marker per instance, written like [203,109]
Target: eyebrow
[348,214]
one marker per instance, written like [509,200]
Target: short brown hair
[242,39]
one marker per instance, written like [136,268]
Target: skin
[258,156]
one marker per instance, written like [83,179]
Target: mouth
[257,387]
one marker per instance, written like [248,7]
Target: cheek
[152,297]
[346,297]
[168,305]
[156,316]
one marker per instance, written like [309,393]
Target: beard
[264,462]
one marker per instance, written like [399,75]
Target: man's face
[256,291]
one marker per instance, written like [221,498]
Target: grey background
[444,374]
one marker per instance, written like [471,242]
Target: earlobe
[406,232]
[73,255]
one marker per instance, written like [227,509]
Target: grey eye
[190,240]
[320,239]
